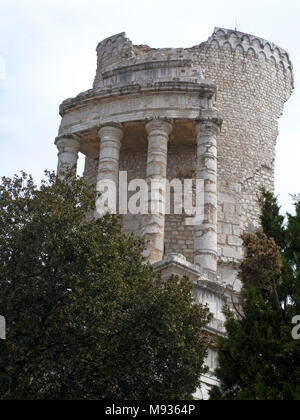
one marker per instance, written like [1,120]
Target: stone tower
[209,112]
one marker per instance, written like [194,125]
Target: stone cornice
[205,89]
[146,66]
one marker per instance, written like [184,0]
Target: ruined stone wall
[254,80]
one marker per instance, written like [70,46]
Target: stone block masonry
[209,113]
[253,79]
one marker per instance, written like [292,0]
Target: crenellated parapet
[250,45]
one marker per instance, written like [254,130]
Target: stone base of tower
[207,382]
[207,290]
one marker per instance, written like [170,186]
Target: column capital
[208,126]
[113,128]
[160,124]
[68,141]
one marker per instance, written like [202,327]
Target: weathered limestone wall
[254,80]
[157,112]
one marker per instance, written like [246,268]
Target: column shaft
[108,169]
[206,236]
[153,224]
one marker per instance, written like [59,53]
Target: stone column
[108,169]
[153,225]
[206,236]
[68,147]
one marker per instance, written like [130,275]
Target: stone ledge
[146,65]
[201,278]
[205,89]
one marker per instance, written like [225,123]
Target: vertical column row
[153,223]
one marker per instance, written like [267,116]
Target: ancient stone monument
[210,113]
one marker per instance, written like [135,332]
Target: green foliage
[259,359]
[271,220]
[86,317]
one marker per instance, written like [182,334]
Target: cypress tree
[259,359]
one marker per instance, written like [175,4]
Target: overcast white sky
[48,47]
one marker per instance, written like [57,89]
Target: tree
[271,220]
[86,317]
[259,359]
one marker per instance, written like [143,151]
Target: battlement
[250,45]
[117,55]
